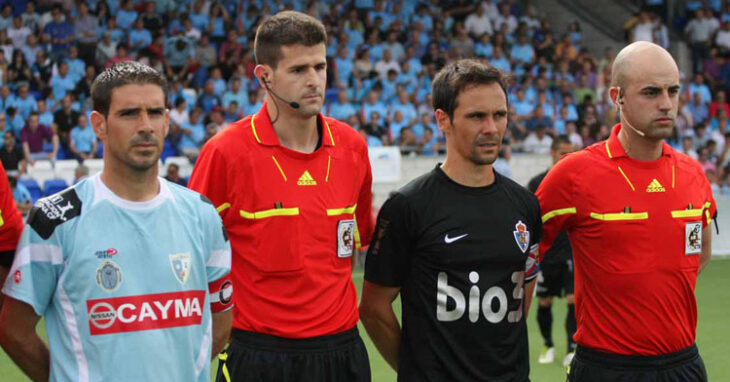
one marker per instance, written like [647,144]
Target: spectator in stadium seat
[193,133]
[209,98]
[500,61]
[344,67]
[76,66]
[173,175]
[105,49]
[60,33]
[699,32]
[18,33]
[478,23]
[429,144]
[24,102]
[62,82]
[461,45]
[19,70]
[65,119]
[342,109]
[538,118]
[384,65]
[236,93]
[122,54]
[539,141]
[12,156]
[139,37]
[698,108]
[373,104]
[15,121]
[21,195]
[33,137]
[178,52]
[719,102]
[83,140]
[86,30]
[126,15]
[699,86]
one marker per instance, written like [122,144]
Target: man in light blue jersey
[129,271]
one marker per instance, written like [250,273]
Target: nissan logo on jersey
[145,312]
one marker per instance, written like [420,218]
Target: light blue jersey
[126,288]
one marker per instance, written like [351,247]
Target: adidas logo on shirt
[655,186]
[306,179]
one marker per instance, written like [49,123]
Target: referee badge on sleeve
[693,238]
[345,237]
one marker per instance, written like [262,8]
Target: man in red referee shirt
[637,214]
[293,189]
[11,226]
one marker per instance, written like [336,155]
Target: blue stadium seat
[33,188]
[99,149]
[168,151]
[52,186]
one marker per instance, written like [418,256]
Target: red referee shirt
[636,230]
[11,222]
[293,220]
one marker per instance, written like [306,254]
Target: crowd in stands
[382,56]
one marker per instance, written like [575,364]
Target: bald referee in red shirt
[293,188]
[638,217]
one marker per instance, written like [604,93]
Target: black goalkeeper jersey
[560,251]
[459,256]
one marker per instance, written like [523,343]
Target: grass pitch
[713,337]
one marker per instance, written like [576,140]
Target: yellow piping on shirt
[554,213]
[277,165]
[608,151]
[621,216]
[253,127]
[687,213]
[627,178]
[330,131]
[223,207]
[269,213]
[327,177]
[341,211]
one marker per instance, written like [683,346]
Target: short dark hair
[456,76]
[283,29]
[562,138]
[121,74]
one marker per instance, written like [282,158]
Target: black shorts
[262,358]
[555,279]
[683,366]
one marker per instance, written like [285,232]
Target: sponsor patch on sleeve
[221,294]
[345,238]
[693,238]
[50,212]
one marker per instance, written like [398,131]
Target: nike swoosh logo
[449,240]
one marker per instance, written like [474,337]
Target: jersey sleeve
[532,265]
[38,261]
[388,256]
[557,205]
[11,222]
[218,264]
[210,178]
[710,207]
[363,213]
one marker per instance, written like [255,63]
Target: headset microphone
[294,105]
[619,102]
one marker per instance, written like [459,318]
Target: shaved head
[645,88]
[639,57]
